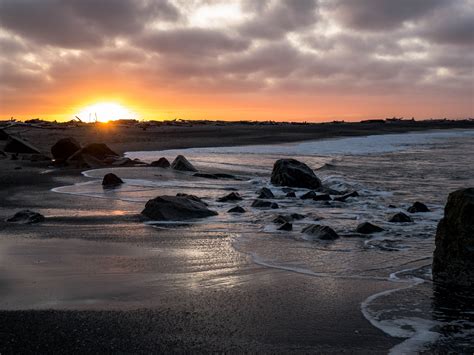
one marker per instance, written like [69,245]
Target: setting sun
[104,112]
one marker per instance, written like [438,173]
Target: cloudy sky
[283,60]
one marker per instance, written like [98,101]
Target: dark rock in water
[297,216]
[322,197]
[292,173]
[64,148]
[206,176]
[287,190]
[18,145]
[344,197]
[286,227]
[265,192]
[291,194]
[191,197]
[329,191]
[368,228]
[320,232]
[418,207]
[392,206]
[225,176]
[453,258]
[111,180]
[264,204]
[281,219]
[161,163]
[236,209]
[176,208]
[233,196]
[400,217]
[26,217]
[182,164]
[309,195]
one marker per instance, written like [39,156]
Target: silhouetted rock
[292,173]
[265,192]
[18,145]
[286,227]
[92,155]
[344,197]
[418,207]
[322,197]
[236,209]
[26,217]
[308,196]
[176,208]
[233,196]
[264,204]
[111,180]
[453,258]
[64,148]
[191,197]
[291,194]
[368,228]
[161,163]
[400,217]
[182,164]
[320,232]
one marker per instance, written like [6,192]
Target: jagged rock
[233,196]
[322,197]
[26,217]
[344,197]
[368,228]
[265,192]
[264,204]
[64,148]
[308,196]
[453,258]
[161,163]
[292,173]
[182,164]
[320,232]
[286,227]
[418,207]
[236,209]
[176,208]
[18,145]
[291,194]
[111,180]
[400,217]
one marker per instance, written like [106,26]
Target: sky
[295,60]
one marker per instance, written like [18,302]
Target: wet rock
[236,209]
[182,164]
[18,145]
[291,194]
[320,232]
[225,176]
[308,196]
[287,190]
[281,219]
[265,192]
[191,197]
[233,196]
[297,216]
[26,217]
[286,227]
[344,197]
[111,180]
[264,204]
[161,163]
[123,161]
[392,206]
[453,258]
[322,197]
[400,217]
[418,207]
[64,148]
[176,208]
[292,173]
[206,176]
[368,228]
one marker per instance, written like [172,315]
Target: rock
[297,216]
[287,190]
[309,195]
[18,145]
[176,208]
[233,196]
[38,157]
[281,219]
[225,176]
[320,232]
[286,227]
[123,161]
[26,217]
[3,135]
[265,192]
[191,197]
[400,217]
[182,164]
[292,173]
[322,197]
[236,209]
[344,197]
[206,176]
[64,148]
[453,258]
[92,155]
[161,163]
[418,207]
[368,228]
[291,194]
[111,180]
[264,204]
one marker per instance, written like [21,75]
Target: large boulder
[111,180]
[26,217]
[317,231]
[418,207]
[453,258]
[368,228]
[182,164]
[176,208]
[161,163]
[93,155]
[64,148]
[291,172]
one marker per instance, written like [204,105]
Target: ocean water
[390,172]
